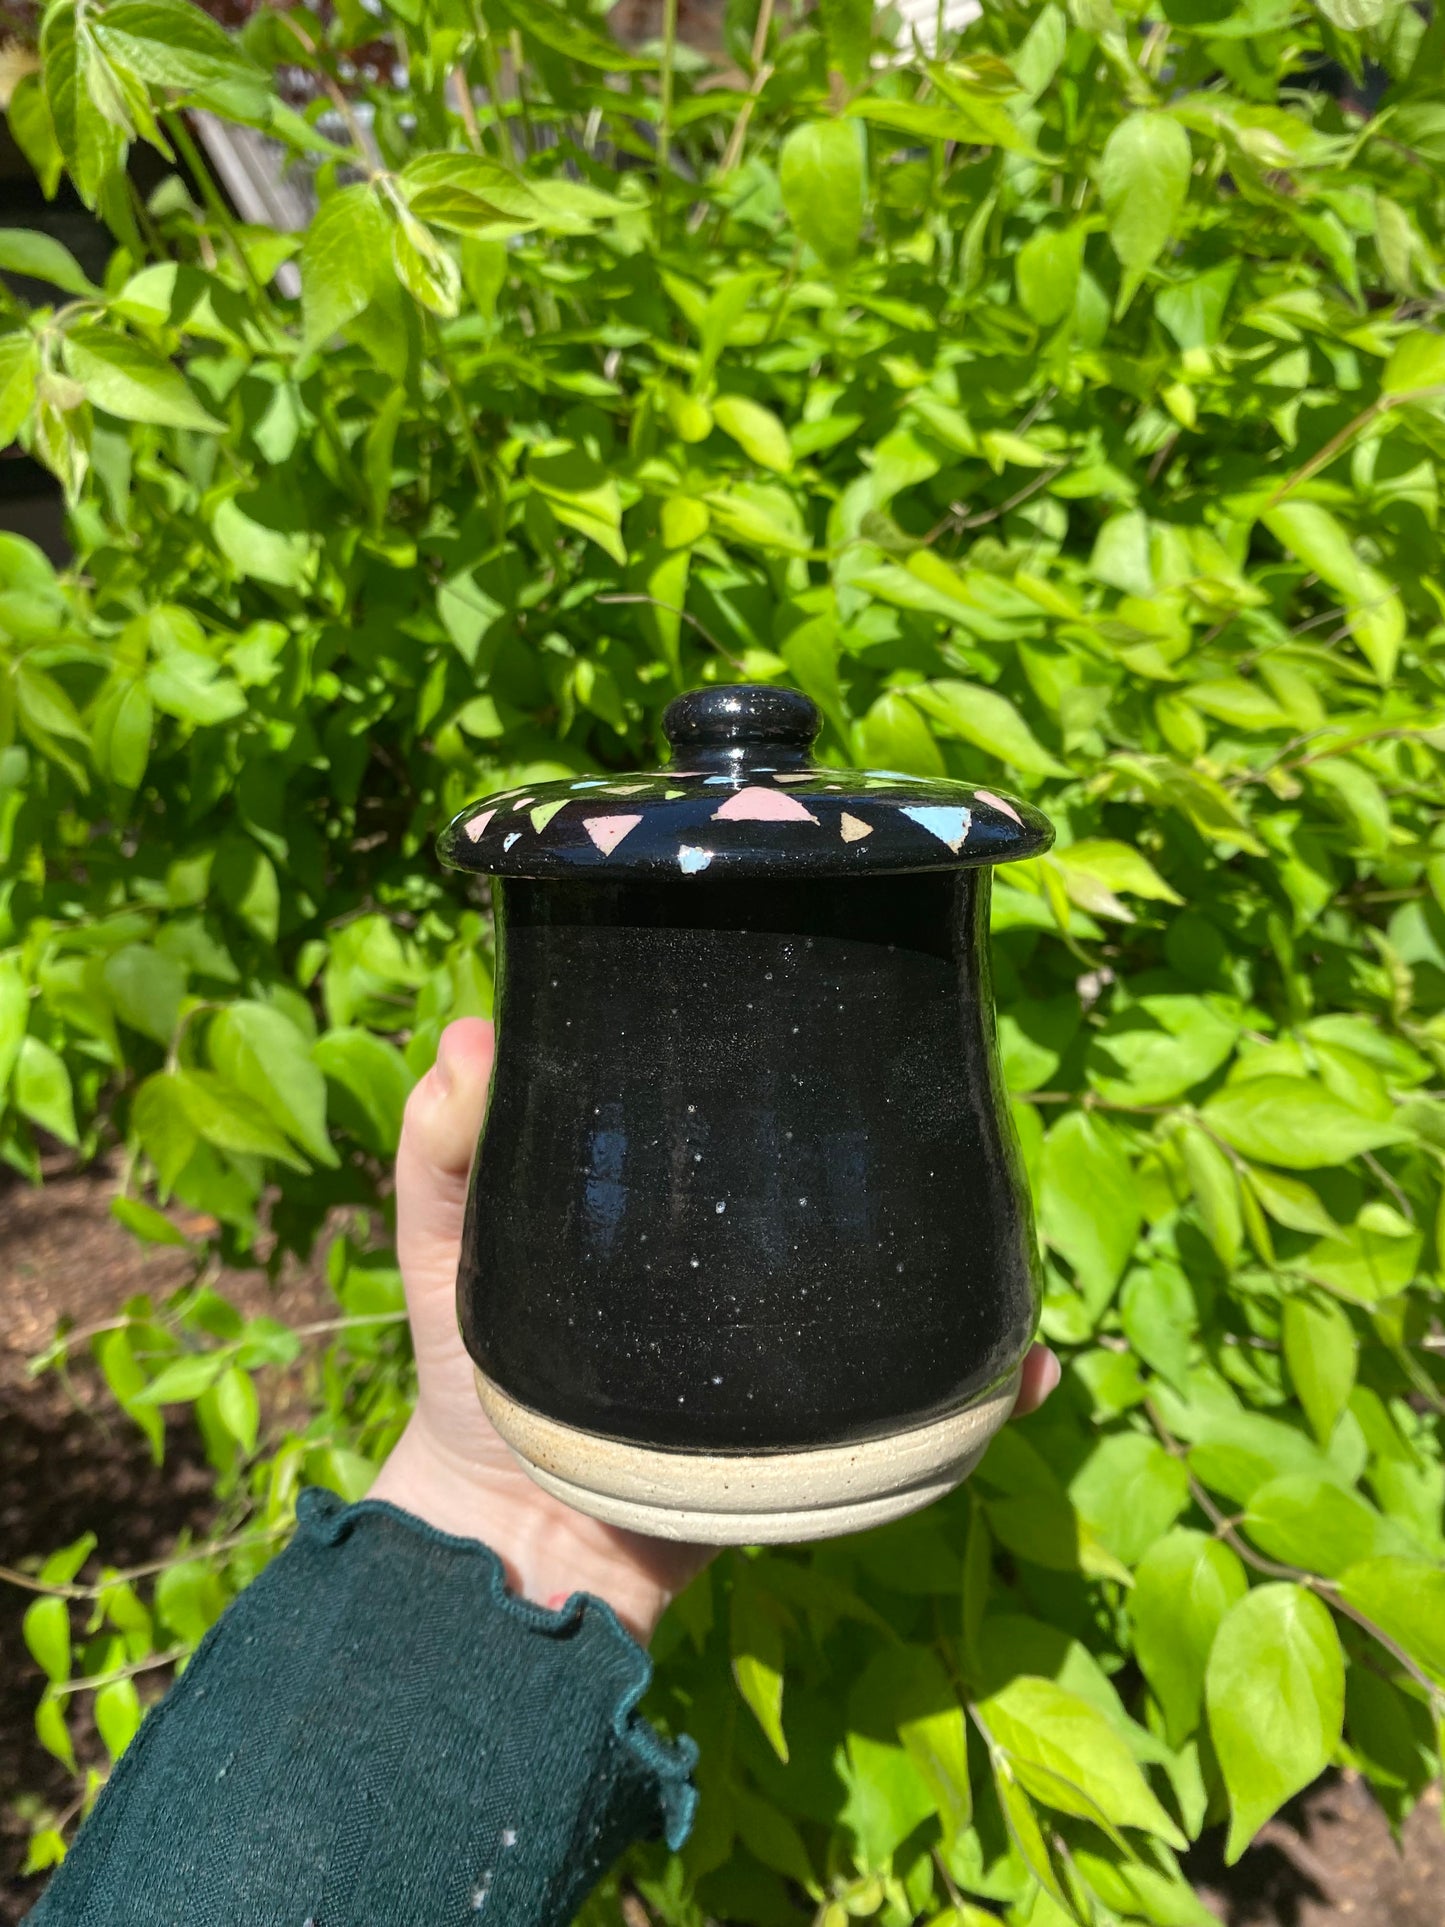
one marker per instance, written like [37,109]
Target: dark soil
[71,1464]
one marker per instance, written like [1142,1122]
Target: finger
[438,1138]
[1041,1373]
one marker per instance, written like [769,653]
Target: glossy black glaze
[748,1179]
[741,799]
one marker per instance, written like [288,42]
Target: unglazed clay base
[728,1499]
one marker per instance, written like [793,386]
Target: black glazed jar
[748,1251]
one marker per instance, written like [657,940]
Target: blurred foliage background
[1060,404]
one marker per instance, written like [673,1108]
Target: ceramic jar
[748,1251]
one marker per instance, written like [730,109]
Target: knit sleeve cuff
[324,1519]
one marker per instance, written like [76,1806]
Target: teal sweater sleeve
[378,1734]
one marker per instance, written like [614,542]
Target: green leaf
[1368,1261]
[19,370]
[1130,1491]
[467,193]
[908,1697]
[182,1381]
[121,731]
[1183,1587]
[756,430]
[259,1049]
[189,1599]
[1317,1525]
[1236,1452]
[231,1118]
[1136,1889]
[238,1407]
[1405,1598]
[1046,273]
[424,267]
[755,1643]
[1155,1047]
[1143,178]
[969,118]
[146,1222]
[758,515]
[14,1016]
[1275,1692]
[90,106]
[1417,361]
[373,1074]
[770,1836]
[1215,1184]
[122,1373]
[565,34]
[1066,1754]
[118,1713]
[581,493]
[245,880]
[42,1090]
[27,115]
[145,988]
[1351,16]
[194,689]
[1159,1316]
[254,548]
[171,43]
[130,380]
[848,30]
[1296,1123]
[1088,1202]
[1321,1353]
[46,1629]
[989,721]
[342,262]
[823,179]
[43,258]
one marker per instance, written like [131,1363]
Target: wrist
[548,1551]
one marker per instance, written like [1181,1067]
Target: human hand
[450,1467]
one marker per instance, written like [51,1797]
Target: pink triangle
[758,805]
[478,824]
[997,803]
[608,831]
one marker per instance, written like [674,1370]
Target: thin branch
[214,1550]
[136,1666]
[684,614]
[466,108]
[360,139]
[1340,441]
[1225,1529]
[1041,480]
[762,74]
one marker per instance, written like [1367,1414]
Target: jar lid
[742,798]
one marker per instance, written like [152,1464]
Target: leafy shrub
[1066,412]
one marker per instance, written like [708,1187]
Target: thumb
[438,1138]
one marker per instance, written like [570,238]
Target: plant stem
[216,206]
[1340,441]
[462,88]
[524,107]
[1324,1589]
[492,69]
[217,1547]
[123,1672]
[664,106]
[463,413]
[762,74]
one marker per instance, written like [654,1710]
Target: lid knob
[730,721]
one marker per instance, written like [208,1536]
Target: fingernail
[1050,1372]
[442,1069]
